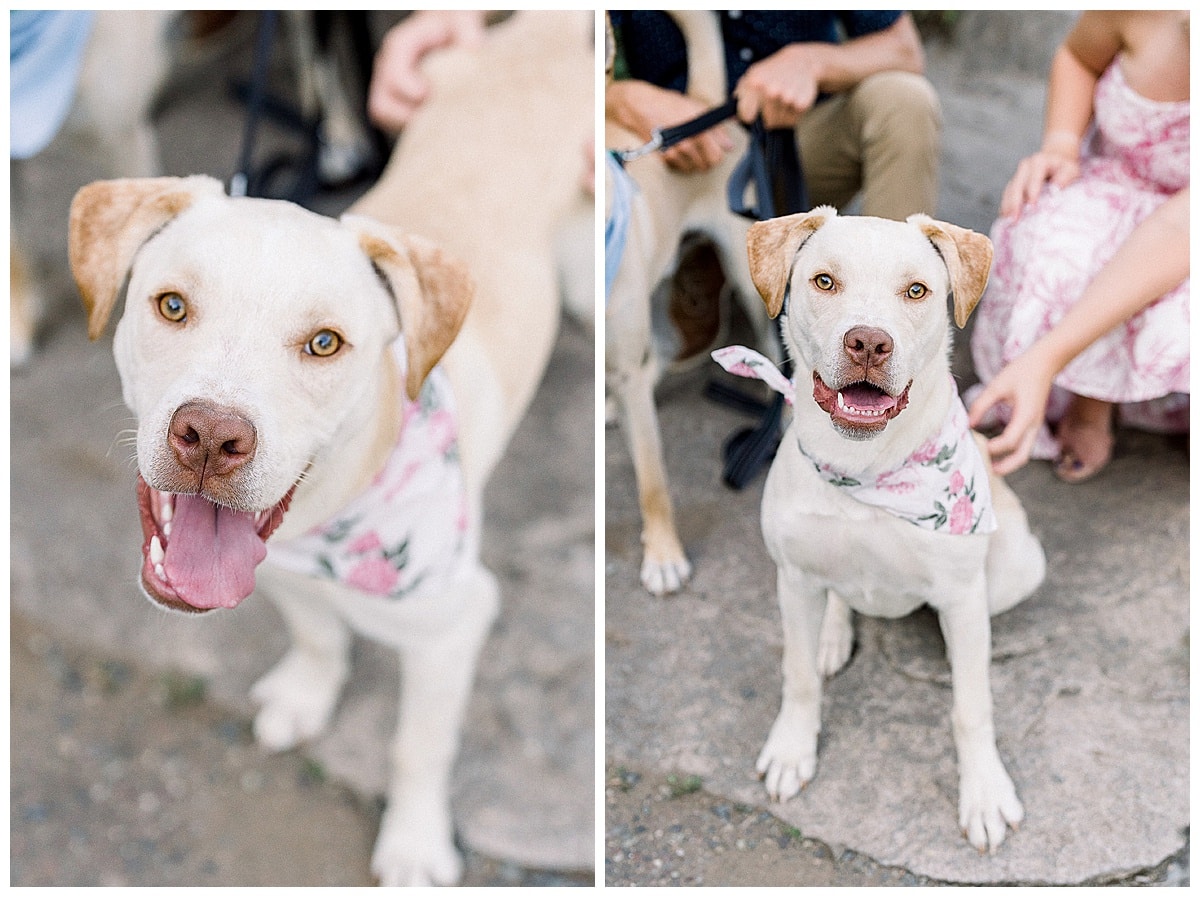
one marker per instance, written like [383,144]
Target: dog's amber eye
[172,307]
[917,291]
[823,282]
[323,344]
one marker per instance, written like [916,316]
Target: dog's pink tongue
[212,553]
[867,398]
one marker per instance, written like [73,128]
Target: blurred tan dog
[278,361]
[668,205]
[109,121]
[877,498]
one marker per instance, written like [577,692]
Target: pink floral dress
[1135,158]
[408,529]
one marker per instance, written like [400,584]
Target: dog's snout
[868,347]
[211,441]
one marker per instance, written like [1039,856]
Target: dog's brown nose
[868,346]
[209,440]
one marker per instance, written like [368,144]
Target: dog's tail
[706,55]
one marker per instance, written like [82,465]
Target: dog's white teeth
[166,529]
[156,552]
[160,572]
[850,409]
[166,508]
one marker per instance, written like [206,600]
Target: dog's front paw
[411,852]
[987,805]
[296,700]
[788,761]
[665,572]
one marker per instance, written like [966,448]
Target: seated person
[866,119]
[1090,285]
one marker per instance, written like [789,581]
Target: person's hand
[780,88]
[1024,386]
[398,87]
[1056,163]
[641,107]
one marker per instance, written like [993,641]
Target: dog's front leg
[837,636]
[297,698]
[415,846]
[788,760]
[665,567]
[987,800]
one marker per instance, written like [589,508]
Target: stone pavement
[93,799]
[1090,676]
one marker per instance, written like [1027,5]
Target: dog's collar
[942,486]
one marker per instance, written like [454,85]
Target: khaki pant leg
[881,138]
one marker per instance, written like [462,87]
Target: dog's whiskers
[124,440]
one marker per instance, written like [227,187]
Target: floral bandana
[410,525]
[942,486]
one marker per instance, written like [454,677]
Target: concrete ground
[1090,676]
[132,761]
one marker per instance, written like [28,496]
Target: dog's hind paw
[296,699]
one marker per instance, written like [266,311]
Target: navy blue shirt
[654,50]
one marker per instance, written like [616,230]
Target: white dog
[284,371]
[878,499]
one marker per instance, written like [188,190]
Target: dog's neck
[942,486]
[363,443]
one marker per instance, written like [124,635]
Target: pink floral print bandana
[942,486]
[410,526]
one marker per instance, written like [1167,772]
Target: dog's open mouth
[197,555]
[862,408]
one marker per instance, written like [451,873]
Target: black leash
[256,100]
[665,138]
[772,167]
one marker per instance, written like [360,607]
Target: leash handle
[772,166]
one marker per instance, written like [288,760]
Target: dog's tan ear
[433,291]
[109,222]
[772,246]
[968,258]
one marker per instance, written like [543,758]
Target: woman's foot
[1085,435]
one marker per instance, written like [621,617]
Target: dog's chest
[409,528]
[880,564]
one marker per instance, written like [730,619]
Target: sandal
[1071,469]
